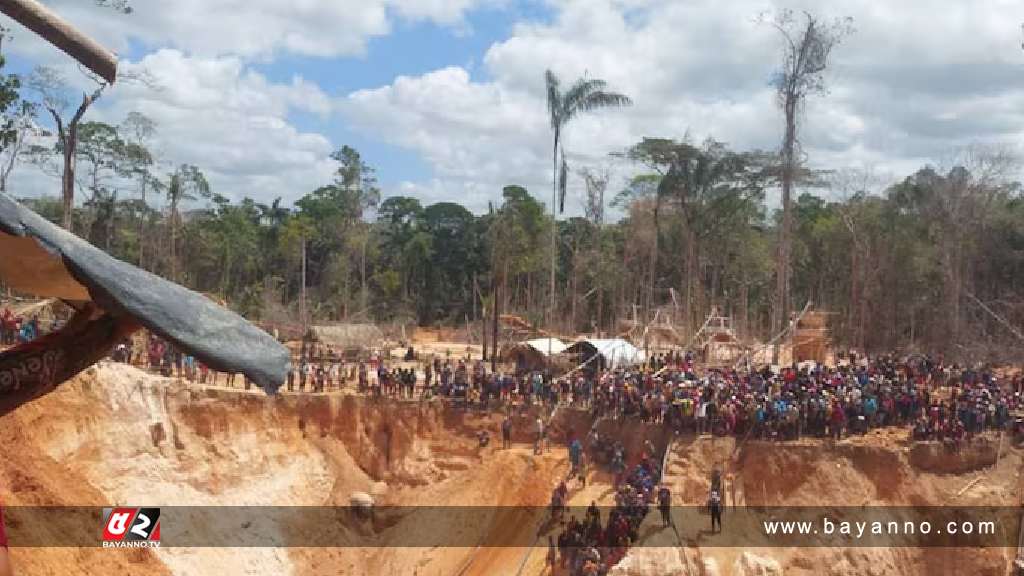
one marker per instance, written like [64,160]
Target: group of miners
[162,357]
[939,402]
[16,329]
[589,547]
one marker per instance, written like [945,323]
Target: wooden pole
[41,20]
[494,333]
[305,319]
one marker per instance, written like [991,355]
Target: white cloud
[231,122]
[910,84]
[915,80]
[248,28]
[476,136]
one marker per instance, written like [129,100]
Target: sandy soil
[881,468]
[118,435]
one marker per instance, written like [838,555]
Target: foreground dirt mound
[881,468]
[118,435]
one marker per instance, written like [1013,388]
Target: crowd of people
[589,546]
[938,401]
[15,329]
[160,356]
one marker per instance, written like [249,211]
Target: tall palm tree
[584,95]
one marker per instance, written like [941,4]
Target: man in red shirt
[5,565]
[6,327]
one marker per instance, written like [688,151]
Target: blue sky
[411,50]
[445,98]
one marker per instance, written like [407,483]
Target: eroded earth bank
[116,435]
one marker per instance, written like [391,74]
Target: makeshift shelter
[609,353]
[112,299]
[48,311]
[717,341]
[811,337]
[660,334]
[348,339]
[533,354]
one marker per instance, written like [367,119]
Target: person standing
[506,433]
[665,506]
[538,447]
[715,507]
[575,453]
[552,557]
[5,560]
[7,324]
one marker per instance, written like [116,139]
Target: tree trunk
[651,304]
[111,223]
[174,239]
[691,276]
[142,224]
[574,287]
[554,224]
[305,318]
[782,267]
[12,158]
[70,141]
[494,329]
[362,273]
[68,178]
[347,295]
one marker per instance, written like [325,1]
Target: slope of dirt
[881,468]
[116,435]
[119,435]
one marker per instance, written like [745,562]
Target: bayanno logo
[131,527]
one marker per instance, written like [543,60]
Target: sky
[445,98]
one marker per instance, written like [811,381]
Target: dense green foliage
[934,261]
[899,266]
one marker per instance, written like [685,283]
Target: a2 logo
[131,527]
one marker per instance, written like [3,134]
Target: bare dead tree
[807,46]
[596,184]
[26,131]
[852,186]
[52,89]
[140,129]
[596,181]
[977,176]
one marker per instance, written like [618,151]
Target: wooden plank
[44,22]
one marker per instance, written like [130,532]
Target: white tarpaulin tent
[546,346]
[615,351]
[532,354]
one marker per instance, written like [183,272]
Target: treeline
[934,262]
